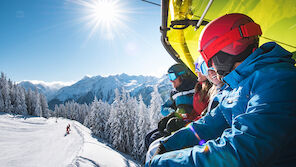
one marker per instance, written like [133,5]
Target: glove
[163,122]
[174,124]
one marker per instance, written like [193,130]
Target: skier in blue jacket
[255,121]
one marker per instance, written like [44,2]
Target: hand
[174,124]
[163,122]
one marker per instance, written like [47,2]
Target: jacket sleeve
[167,108]
[168,104]
[257,137]
[208,127]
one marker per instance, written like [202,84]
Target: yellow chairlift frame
[277,19]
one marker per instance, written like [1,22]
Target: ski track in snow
[39,142]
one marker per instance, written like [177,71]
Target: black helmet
[177,70]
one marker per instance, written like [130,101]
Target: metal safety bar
[203,14]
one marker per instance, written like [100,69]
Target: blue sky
[50,40]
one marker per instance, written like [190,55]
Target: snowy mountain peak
[86,77]
[84,90]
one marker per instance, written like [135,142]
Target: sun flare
[106,11]
[107,16]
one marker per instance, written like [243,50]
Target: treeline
[16,100]
[123,124]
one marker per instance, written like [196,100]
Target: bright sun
[106,10]
[108,16]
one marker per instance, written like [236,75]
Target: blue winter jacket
[254,123]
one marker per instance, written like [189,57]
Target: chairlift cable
[279,42]
[153,3]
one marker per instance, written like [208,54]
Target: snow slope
[35,141]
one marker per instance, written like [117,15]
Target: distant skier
[68,129]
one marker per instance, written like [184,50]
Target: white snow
[40,142]
[131,83]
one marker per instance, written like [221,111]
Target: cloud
[52,85]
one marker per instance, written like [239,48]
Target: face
[177,82]
[213,77]
[201,78]
[218,76]
[235,65]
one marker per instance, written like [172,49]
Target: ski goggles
[203,68]
[173,76]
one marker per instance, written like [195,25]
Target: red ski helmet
[228,39]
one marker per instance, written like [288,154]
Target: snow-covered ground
[40,142]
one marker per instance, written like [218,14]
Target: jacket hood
[269,53]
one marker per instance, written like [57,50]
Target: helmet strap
[244,31]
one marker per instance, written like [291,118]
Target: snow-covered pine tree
[154,108]
[75,108]
[19,104]
[116,121]
[130,120]
[1,102]
[80,113]
[13,99]
[141,128]
[101,119]
[44,106]
[5,94]
[37,104]
[112,115]
[91,117]
[1,95]
[29,102]
[22,97]
[62,110]
[56,112]
[66,111]
[83,111]
[71,110]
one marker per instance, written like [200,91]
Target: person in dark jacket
[178,109]
[254,123]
